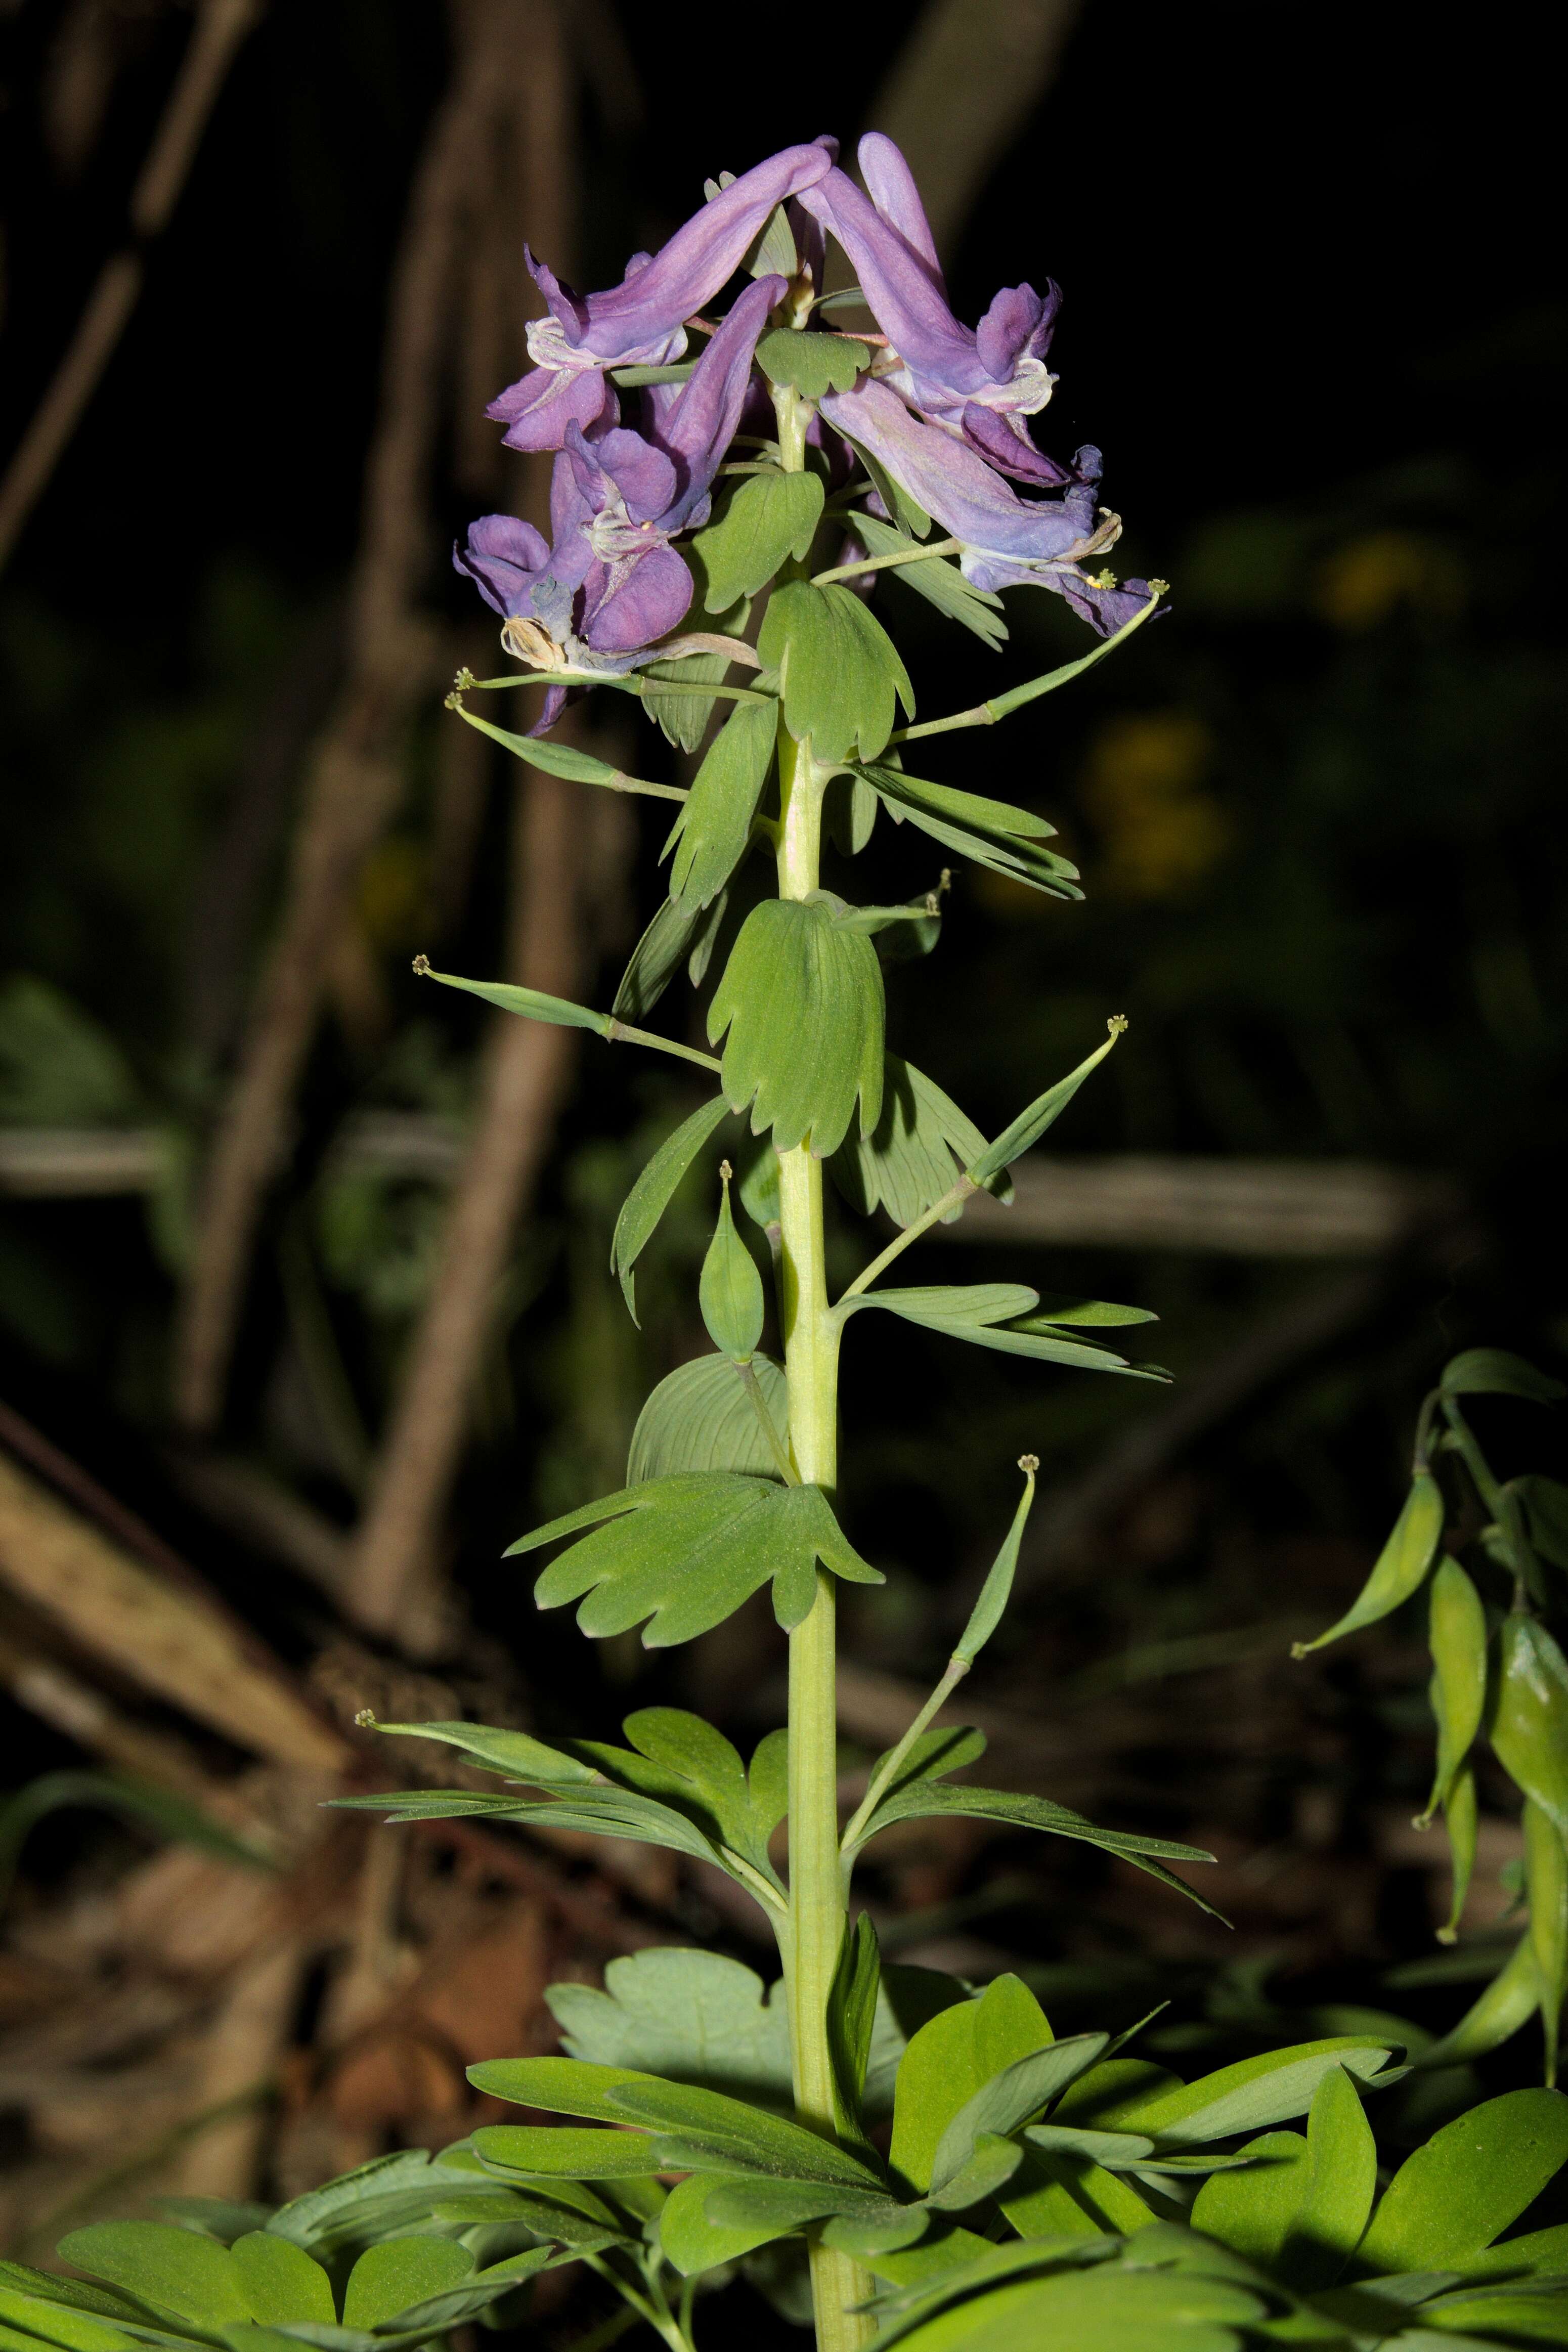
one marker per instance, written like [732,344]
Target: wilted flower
[976,381]
[639,322]
[1005,542]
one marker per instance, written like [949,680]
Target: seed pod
[1402,1564]
[1546,1880]
[1458,1633]
[1530,1714]
[1460,1819]
[731,1290]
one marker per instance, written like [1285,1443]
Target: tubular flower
[639,322]
[610,584]
[1005,542]
[977,383]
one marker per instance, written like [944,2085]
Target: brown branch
[215,41]
[357,773]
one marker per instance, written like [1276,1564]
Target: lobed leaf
[813,363]
[794,980]
[841,673]
[768,518]
[700,1417]
[914,1154]
[695,2017]
[940,581]
[711,833]
[684,717]
[926,1800]
[993,834]
[655,1189]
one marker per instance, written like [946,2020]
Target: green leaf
[378,2199]
[925,1801]
[1545,1504]
[995,1593]
[590,1812]
[1042,1113]
[1457,1632]
[709,2126]
[561,2086]
[657,957]
[953,2055]
[63,2312]
[685,1551]
[690,2243]
[165,2268]
[160,1810]
[1546,1889]
[784,2206]
[942,583]
[1492,1372]
[1252,2209]
[575,2154]
[1255,2092]
[388,2278]
[689,2016]
[842,675]
[944,1749]
[712,833]
[1400,1567]
[677,1756]
[815,364]
[914,1154]
[851,2020]
[1490,2316]
[281,2282]
[1507,2003]
[1108,2309]
[223,2218]
[992,834]
[700,1417]
[989,2166]
[1013,2097]
[773,255]
[515,1753]
[1530,1714]
[531,1002]
[1462,2190]
[655,1189]
[1340,2185]
[792,973]
[684,717]
[768,1779]
[730,1289]
[768,517]
[995,1315]
[563,759]
[1536,2253]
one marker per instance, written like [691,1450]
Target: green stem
[885,562]
[953,1198]
[1001,705]
[620,1032]
[887,1771]
[817,1913]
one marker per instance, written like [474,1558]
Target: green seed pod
[1402,1564]
[731,1290]
[1460,1819]
[1530,1714]
[1546,1880]
[1458,1633]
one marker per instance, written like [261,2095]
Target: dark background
[1318,811]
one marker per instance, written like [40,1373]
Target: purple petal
[897,199]
[1007,330]
[553,703]
[1105,609]
[643,475]
[897,282]
[700,256]
[539,408]
[1004,442]
[566,306]
[638,601]
[701,424]
[503,557]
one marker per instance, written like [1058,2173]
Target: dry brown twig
[216,38]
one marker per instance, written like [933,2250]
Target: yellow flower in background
[1160,831]
[1359,586]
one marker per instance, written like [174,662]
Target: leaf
[1457,1632]
[223,2218]
[851,2019]
[691,2017]
[388,2278]
[732,2134]
[693,2244]
[655,1189]
[794,974]
[281,2282]
[63,2312]
[161,1811]
[711,833]
[701,1418]
[989,2166]
[167,2270]
[730,1289]
[576,2155]
[685,1551]
[531,1002]
[914,1154]
[842,675]
[1530,1714]
[1400,1567]
[516,1753]
[1492,1372]
[925,1801]
[1507,2002]
[1472,2178]
[1546,1888]
[1042,1113]
[768,1780]
[375,2201]
[995,1593]
[953,2056]
[657,957]
[995,1315]
[944,1749]
[1012,2097]
[1545,1504]
[684,717]
[679,1758]
[993,834]
[768,517]
[1255,2092]
[942,583]
[590,1812]
[1252,2210]
[1340,2185]
[815,364]
[1108,2309]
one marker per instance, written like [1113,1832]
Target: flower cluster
[939,408]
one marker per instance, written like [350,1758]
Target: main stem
[811,1361]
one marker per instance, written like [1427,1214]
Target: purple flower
[1007,541]
[639,322]
[610,584]
[977,383]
